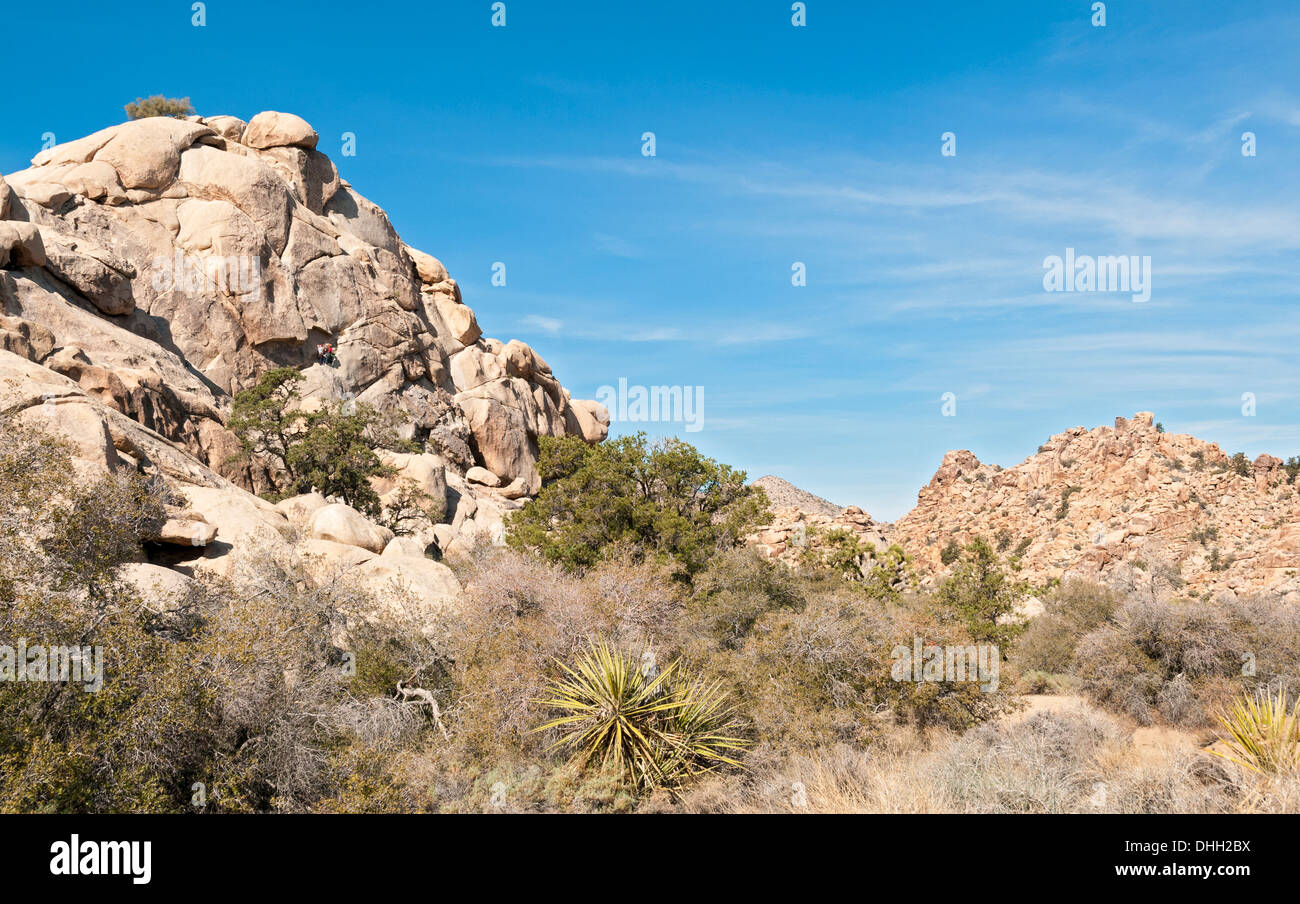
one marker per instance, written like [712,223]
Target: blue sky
[778,144]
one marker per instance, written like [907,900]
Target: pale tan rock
[502,416]
[270,129]
[429,269]
[162,589]
[249,184]
[23,337]
[97,181]
[424,471]
[146,153]
[355,214]
[344,524]
[79,151]
[483,476]
[406,583]
[404,546]
[21,245]
[473,366]
[325,559]
[299,509]
[587,419]
[186,531]
[522,361]
[229,127]
[458,317]
[107,289]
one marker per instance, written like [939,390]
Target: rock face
[1113,503]
[151,270]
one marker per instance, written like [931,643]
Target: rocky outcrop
[1112,502]
[796,530]
[153,269]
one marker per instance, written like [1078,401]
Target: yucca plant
[655,730]
[1262,736]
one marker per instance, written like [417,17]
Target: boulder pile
[153,269]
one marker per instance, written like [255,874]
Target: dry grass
[1074,759]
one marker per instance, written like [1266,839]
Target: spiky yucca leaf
[702,727]
[654,730]
[1261,735]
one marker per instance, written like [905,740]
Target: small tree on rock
[158,105]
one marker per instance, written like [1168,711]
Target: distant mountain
[784,494]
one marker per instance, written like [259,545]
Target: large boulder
[587,419]
[403,582]
[425,472]
[270,129]
[107,288]
[146,153]
[503,418]
[299,509]
[343,524]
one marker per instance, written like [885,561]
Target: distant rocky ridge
[1122,505]
[153,269]
[1116,503]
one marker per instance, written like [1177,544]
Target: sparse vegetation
[1063,509]
[629,683]
[1240,464]
[158,105]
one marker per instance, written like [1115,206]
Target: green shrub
[982,596]
[158,105]
[663,500]
[951,552]
[330,449]
[737,589]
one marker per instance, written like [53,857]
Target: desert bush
[1070,611]
[951,552]
[522,614]
[1182,659]
[158,105]
[329,448]
[1240,464]
[981,595]
[838,552]
[1074,761]
[663,500]
[239,689]
[737,589]
[824,673]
